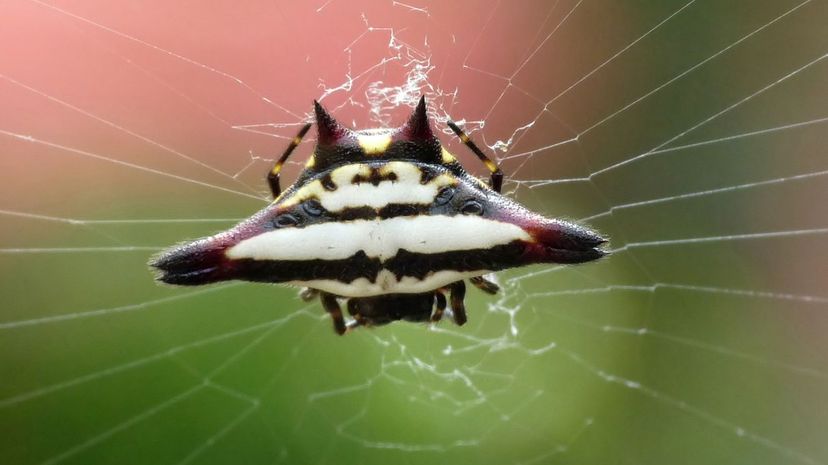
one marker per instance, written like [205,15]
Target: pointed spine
[329,131]
[418,127]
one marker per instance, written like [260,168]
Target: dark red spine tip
[418,127]
[330,132]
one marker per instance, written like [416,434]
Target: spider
[386,220]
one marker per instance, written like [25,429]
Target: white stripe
[369,195]
[407,188]
[379,238]
[387,283]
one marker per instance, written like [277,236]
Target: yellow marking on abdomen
[406,188]
[374,144]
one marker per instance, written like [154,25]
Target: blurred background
[692,133]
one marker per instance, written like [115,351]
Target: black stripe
[329,157]
[359,265]
[375,177]
[322,172]
[327,183]
[310,213]
[419,265]
[392,210]
[274,271]
[449,201]
[352,214]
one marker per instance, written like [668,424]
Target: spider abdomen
[387,218]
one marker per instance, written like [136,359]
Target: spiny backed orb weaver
[386,219]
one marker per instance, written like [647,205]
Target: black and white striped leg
[484,285]
[458,307]
[273,176]
[330,305]
[439,306]
[496,180]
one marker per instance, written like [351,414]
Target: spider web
[690,132]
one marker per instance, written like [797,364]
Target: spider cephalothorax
[387,219]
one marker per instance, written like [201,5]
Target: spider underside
[418,308]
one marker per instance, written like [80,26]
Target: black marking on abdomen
[347,270]
[418,265]
[327,182]
[359,265]
[374,177]
[310,212]
[392,210]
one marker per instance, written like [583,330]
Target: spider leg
[496,183]
[358,319]
[484,285]
[332,306]
[308,293]
[458,307]
[439,306]
[496,180]
[352,325]
[273,176]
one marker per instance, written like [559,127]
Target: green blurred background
[690,132]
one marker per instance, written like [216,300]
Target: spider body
[387,219]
